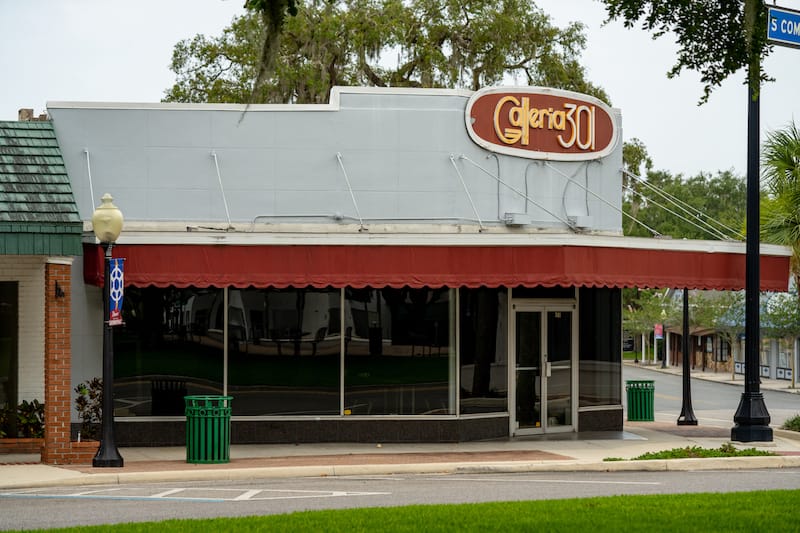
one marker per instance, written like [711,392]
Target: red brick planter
[13,445]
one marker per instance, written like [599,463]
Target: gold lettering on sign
[576,120]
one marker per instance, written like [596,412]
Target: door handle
[548,369]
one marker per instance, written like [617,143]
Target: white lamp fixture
[107,220]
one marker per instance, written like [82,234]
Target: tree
[402,43]
[272,14]
[701,207]
[642,312]
[715,38]
[636,161]
[780,211]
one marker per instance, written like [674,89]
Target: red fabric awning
[433,266]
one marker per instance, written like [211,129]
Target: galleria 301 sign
[541,123]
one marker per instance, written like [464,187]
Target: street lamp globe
[107,220]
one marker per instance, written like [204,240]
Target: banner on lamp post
[115,292]
[658,330]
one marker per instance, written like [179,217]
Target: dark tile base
[172,433]
[607,420]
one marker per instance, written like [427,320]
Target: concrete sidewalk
[566,452]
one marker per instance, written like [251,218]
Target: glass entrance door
[543,381]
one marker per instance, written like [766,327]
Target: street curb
[736,383]
[236,474]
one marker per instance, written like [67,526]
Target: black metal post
[686,417]
[664,338]
[751,417]
[107,455]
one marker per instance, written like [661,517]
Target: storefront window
[8,355]
[600,347]
[170,345]
[765,351]
[284,356]
[785,347]
[399,352]
[484,350]
[284,351]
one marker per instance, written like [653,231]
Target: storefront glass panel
[170,345]
[600,347]
[284,351]
[400,352]
[484,350]
[8,355]
[284,359]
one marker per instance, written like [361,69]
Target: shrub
[89,404]
[30,419]
[792,424]
[24,421]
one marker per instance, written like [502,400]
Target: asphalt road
[714,404]
[76,506]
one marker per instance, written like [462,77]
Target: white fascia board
[332,105]
[403,235]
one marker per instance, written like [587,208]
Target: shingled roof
[38,214]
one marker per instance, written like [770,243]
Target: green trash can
[641,395]
[208,429]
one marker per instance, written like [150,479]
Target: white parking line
[167,493]
[188,494]
[247,495]
[565,481]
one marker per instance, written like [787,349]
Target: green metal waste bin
[641,396]
[208,429]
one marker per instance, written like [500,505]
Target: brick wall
[58,448]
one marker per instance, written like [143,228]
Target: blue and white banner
[115,292]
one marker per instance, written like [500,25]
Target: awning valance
[164,265]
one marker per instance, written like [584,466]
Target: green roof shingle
[38,214]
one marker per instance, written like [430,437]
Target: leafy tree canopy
[718,201]
[715,37]
[780,210]
[402,43]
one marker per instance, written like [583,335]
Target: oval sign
[541,123]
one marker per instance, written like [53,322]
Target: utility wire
[688,209]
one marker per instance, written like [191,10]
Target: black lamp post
[664,333]
[107,225]
[686,417]
[751,417]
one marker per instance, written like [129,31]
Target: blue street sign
[783,26]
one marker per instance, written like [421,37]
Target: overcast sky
[109,50]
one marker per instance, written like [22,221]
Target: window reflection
[484,350]
[399,351]
[284,351]
[170,345]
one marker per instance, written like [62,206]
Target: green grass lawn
[769,511]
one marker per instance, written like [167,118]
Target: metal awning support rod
[222,189]
[466,190]
[350,189]
[89,172]
[522,194]
[714,232]
[612,206]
